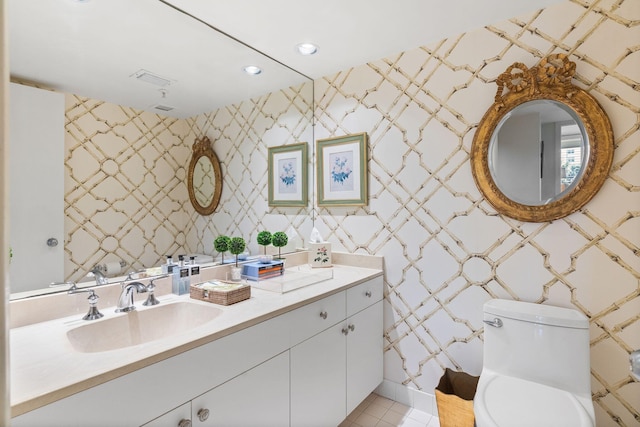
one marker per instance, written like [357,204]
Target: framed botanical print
[342,170]
[288,175]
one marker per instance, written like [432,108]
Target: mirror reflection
[537,152]
[203,181]
[545,146]
[127,135]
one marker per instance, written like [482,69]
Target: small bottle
[174,270]
[194,271]
[184,276]
[168,267]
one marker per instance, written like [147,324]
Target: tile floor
[378,411]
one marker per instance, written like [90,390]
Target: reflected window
[570,154]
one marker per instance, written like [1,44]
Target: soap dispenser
[184,276]
[194,271]
[179,274]
[168,267]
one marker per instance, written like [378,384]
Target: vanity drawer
[363,295]
[313,318]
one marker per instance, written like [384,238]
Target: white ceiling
[92,47]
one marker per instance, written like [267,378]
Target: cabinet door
[258,397]
[364,354]
[318,372]
[179,417]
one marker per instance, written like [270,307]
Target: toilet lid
[511,401]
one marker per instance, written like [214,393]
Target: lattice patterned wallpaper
[446,250]
[125,192]
[241,134]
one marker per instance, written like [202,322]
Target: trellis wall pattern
[125,191]
[242,134]
[125,180]
[446,250]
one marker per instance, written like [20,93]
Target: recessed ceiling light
[307,49]
[252,70]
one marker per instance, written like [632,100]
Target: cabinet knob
[368,294]
[323,314]
[184,423]
[345,331]
[203,414]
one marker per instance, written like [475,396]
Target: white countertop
[46,368]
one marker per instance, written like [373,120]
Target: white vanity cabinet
[145,394]
[259,397]
[333,371]
[308,366]
[179,417]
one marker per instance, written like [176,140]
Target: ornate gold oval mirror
[545,146]
[204,180]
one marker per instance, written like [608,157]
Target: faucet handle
[72,285]
[93,313]
[151,287]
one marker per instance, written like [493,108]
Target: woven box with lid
[221,292]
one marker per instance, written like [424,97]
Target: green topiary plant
[236,247]
[221,244]
[279,239]
[264,239]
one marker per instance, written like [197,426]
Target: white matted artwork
[288,175]
[342,170]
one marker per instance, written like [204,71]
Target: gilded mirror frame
[202,148]
[549,80]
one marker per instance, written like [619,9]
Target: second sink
[138,327]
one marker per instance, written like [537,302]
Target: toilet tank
[540,343]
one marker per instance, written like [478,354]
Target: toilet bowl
[536,367]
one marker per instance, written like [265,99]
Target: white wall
[5,412]
[36,187]
[518,159]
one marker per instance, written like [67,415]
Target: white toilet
[536,367]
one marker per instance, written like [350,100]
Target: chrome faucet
[125,302]
[101,279]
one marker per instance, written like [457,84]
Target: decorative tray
[293,278]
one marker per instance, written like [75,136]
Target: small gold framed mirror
[204,180]
[545,147]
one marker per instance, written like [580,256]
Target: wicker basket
[223,296]
[454,397]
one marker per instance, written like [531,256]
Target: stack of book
[261,271]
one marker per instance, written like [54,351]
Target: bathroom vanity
[305,357]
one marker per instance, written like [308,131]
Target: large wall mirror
[545,146]
[148,55]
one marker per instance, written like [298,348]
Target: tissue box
[320,254]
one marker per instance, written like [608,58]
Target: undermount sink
[140,326]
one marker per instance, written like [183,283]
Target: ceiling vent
[162,107]
[149,77]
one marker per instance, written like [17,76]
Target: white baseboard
[417,399]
